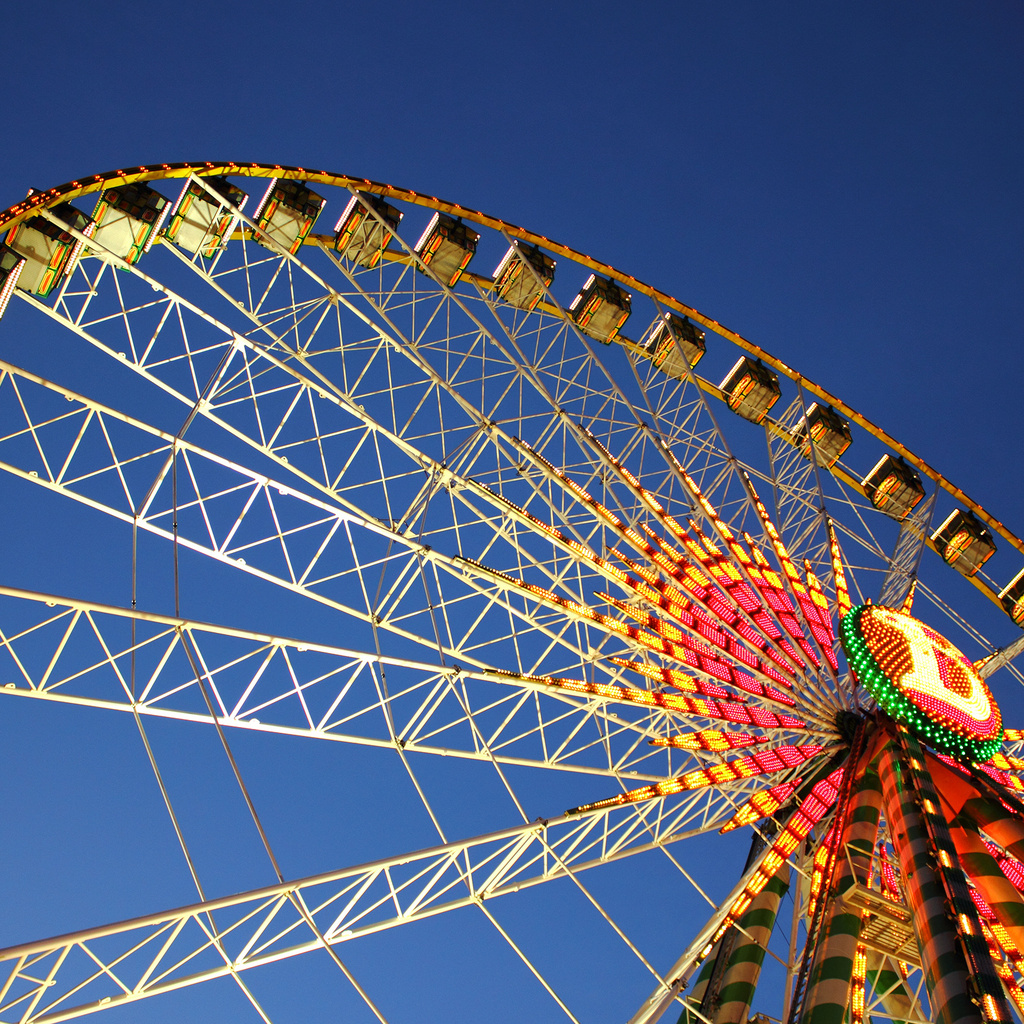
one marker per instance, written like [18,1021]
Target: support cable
[526,960]
[215,933]
[562,864]
[294,898]
[158,775]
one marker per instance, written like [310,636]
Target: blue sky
[841,184]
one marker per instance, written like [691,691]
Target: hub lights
[921,679]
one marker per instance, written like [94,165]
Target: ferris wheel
[459,600]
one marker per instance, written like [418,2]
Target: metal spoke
[515,544]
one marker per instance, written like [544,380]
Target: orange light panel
[843,603]
[762,763]
[821,859]
[860,967]
[761,805]
[725,710]
[824,634]
[709,739]
[1006,762]
[796,830]
[795,583]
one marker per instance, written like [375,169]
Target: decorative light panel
[923,680]
[762,804]
[764,763]
[822,855]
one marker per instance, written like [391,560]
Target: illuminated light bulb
[991,1007]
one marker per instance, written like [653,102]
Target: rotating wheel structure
[399,635]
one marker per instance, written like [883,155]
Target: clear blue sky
[840,183]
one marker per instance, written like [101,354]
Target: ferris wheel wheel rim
[89,184]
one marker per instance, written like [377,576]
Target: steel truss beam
[382,418]
[910,545]
[105,967]
[274,684]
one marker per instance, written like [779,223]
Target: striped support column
[889,989]
[998,891]
[966,805]
[829,990]
[948,934]
[700,986]
[987,985]
[1000,824]
[744,967]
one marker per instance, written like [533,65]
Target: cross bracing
[446,476]
[100,968]
[70,651]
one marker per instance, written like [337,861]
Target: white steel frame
[411,452]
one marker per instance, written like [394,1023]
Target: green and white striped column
[744,967]
[696,994]
[889,989]
[828,991]
[996,889]
[947,975]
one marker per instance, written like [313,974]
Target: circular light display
[920,678]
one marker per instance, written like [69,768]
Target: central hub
[918,677]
